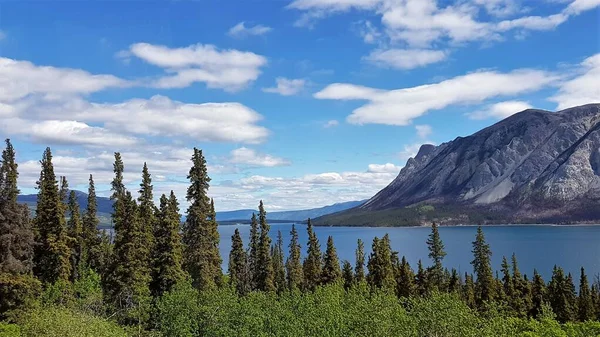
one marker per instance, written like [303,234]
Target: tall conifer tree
[238,266]
[93,256]
[406,280]
[75,232]
[584,301]
[293,264]
[538,294]
[485,285]
[421,281]
[381,272]
[359,269]
[253,251]
[52,253]
[312,264]
[200,234]
[347,274]
[266,274]
[436,254]
[278,264]
[167,249]
[331,266]
[146,206]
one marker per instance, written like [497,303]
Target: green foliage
[200,236]
[293,264]
[359,268]
[485,289]
[436,254]
[312,264]
[146,207]
[381,272]
[238,266]
[93,256]
[17,293]
[331,267]
[61,322]
[9,330]
[347,274]
[177,311]
[265,279]
[76,238]
[278,265]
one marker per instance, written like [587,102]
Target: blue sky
[300,103]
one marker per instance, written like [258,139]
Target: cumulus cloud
[584,88]
[230,69]
[500,110]
[19,79]
[250,157]
[286,87]
[405,58]
[423,131]
[241,30]
[401,106]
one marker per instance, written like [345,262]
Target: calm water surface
[539,247]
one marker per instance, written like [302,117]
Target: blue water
[539,247]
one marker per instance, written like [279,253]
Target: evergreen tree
[52,260]
[17,284]
[293,264]
[126,284]
[485,286]
[507,282]
[167,249]
[359,269]
[266,274]
[75,232]
[468,293]
[436,254]
[200,234]
[91,235]
[421,281]
[521,297]
[406,280]
[381,273]
[454,281]
[312,263]
[146,206]
[561,296]
[538,294]
[585,302]
[347,274]
[595,298]
[253,251]
[238,268]
[331,266]
[278,265]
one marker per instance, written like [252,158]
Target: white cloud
[533,22]
[500,8]
[286,87]
[424,131]
[384,168]
[18,79]
[584,88]
[240,30]
[368,32]
[401,106]
[405,58]
[2,35]
[230,69]
[65,132]
[332,123]
[249,157]
[500,110]
[579,6]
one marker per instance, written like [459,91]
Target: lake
[536,246]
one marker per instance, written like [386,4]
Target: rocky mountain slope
[534,166]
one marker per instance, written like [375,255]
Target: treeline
[158,275]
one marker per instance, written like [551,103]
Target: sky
[300,103]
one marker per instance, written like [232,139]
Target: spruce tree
[312,264]
[468,293]
[17,284]
[278,265]
[359,269]
[200,234]
[485,285]
[52,261]
[454,281]
[91,235]
[585,303]
[520,299]
[253,251]
[126,284]
[146,206]
[266,274]
[436,254]
[538,294]
[347,274]
[331,265]
[561,295]
[293,264]
[507,282]
[421,280]
[405,280]
[381,272]
[75,232]
[238,268]
[166,257]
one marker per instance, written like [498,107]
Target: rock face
[531,160]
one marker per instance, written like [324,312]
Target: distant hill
[533,167]
[301,215]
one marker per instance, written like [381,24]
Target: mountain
[301,215]
[534,166]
